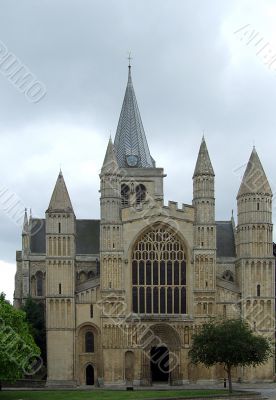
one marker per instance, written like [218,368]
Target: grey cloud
[184,81]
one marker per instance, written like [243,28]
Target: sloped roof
[225,239]
[87,236]
[130,136]
[37,238]
[254,179]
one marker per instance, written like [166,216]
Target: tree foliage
[35,317]
[231,343]
[19,355]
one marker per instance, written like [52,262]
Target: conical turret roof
[130,139]
[203,163]
[110,164]
[254,179]
[60,200]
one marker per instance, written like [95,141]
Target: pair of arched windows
[140,193]
[89,342]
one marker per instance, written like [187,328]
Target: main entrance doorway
[159,364]
[89,375]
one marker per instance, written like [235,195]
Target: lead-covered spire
[130,141]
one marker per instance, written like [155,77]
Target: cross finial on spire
[129,59]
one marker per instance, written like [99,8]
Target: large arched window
[89,342]
[125,194]
[159,273]
[140,193]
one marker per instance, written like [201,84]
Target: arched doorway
[89,375]
[159,364]
[163,355]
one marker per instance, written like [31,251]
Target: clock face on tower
[132,160]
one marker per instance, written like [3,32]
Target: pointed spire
[130,139]
[25,228]
[254,179]
[203,163]
[110,164]
[60,200]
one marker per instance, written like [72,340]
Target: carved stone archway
[162,335]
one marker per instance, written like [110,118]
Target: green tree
[231,343]
[19,355]
[36,318]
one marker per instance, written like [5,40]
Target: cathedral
[124,294]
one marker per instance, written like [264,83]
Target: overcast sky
[191,72]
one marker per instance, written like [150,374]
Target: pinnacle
[60,200]
[110,164]
[203,163]
[254,179]
[25,228]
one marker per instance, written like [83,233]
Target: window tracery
[159,274]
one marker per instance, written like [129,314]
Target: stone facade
[124,294]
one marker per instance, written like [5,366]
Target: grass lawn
[103,394]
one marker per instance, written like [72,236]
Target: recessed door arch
[89,375]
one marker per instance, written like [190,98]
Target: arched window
[258,290]
[125,194]
[89,342]
[159,273]
[140,193]
[39,283]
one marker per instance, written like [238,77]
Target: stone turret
[111,242]
[203,187]
[256,264]
[60,286]
[254,201]
[204,234]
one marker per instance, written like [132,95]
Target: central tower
[130,183]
